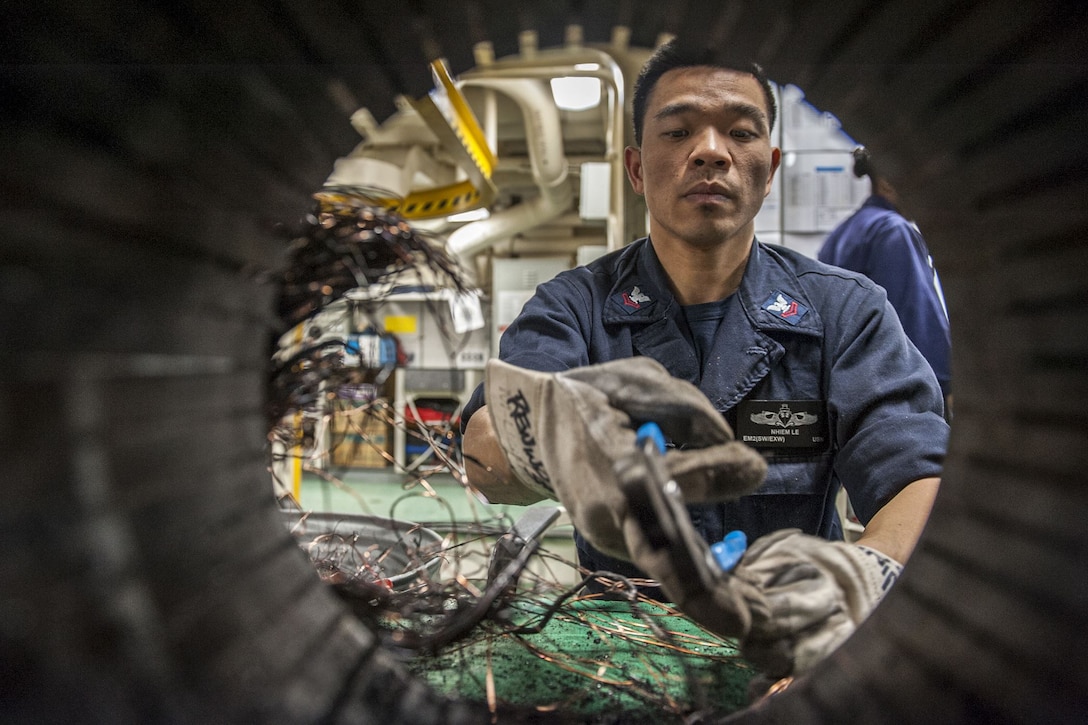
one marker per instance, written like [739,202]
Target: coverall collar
[641,293]
[879,202]
[771,301]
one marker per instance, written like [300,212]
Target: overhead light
[573,93]
[472,215]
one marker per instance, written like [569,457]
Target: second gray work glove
[563,432]
[817,592]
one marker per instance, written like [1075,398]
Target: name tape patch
[783,424]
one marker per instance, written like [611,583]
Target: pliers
[656,502]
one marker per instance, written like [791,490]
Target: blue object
[387,351]
[650,431]
[729,550]
[884,246]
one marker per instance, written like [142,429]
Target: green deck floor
[383,492]
[598,661]
[442,504]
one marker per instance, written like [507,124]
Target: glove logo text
[518,407]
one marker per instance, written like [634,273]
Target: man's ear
[632,161]
[776,159]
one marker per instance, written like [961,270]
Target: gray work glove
[817,592]
[563,432]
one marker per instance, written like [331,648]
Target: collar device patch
[785,307]
[632,300]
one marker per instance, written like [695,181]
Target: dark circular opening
[147,575]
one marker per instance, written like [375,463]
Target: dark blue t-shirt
[703,322]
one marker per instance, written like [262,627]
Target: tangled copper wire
[347,242]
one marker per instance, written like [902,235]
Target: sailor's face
[706,161]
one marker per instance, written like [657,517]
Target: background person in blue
[708,331]
[879,242]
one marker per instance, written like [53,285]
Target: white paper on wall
[820,190]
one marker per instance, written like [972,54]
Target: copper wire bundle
[347,242]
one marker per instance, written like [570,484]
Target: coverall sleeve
[886,405]
[548,335]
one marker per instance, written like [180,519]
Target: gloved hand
[683,565]
[562,433]
[817,592]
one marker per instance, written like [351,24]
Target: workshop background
[362,454]
[157,154]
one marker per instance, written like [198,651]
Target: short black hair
[673,55]
[863,163]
